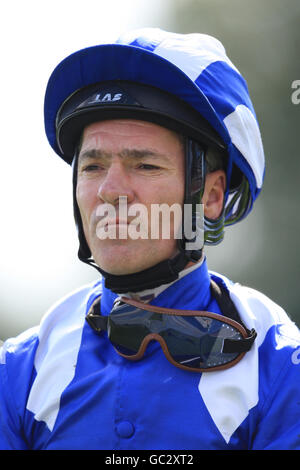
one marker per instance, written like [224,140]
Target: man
[159,353]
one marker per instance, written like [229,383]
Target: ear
[213,197]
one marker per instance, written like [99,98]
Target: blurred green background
[38,246]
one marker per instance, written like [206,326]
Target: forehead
[114,134]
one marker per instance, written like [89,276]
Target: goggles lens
[192,340]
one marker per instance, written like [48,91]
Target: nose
[116,183]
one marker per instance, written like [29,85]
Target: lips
[115,221]
[115,226]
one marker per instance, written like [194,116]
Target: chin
[119,260]
[120,266]
[127,258]
[121,269]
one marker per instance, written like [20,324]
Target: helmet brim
[127,100]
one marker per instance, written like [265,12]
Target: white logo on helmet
[99,98]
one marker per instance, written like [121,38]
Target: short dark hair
[214,160]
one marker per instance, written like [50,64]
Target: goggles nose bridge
[143,346]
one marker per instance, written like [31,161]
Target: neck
[149,294]
[164,272]
[191,287]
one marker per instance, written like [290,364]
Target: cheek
[174,191]
[170,190]
[86,196]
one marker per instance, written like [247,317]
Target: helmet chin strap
[167,270]
[164,272]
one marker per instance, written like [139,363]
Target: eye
[148,166]
[91,168]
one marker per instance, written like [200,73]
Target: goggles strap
[241,345]
[228,309]
[94,318]
[221,294]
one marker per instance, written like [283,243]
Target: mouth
[114,228]
[116,223]
[107,222]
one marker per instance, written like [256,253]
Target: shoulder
[261,313]
[63,313]
[267,377]
[277,346]
[24,343]
[24,358]
[70,309]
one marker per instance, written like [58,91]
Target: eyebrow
[125,153]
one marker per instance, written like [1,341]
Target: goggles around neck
[197,341]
